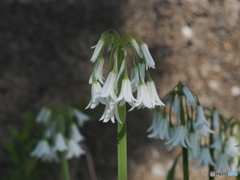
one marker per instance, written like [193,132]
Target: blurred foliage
[21,166]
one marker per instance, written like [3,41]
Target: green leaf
[171,173]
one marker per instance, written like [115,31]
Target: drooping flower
[75,133]
[202,125]
[95,98]
[153,93]
[136,47]
[44,152]
[217,144]
[60,144]
[134,78]
[190,99]
[143,99]
[109,86]
[98,68]
[110,112]
[193,139]
[43,116]
[222,163]
[180,138]
[74,149]
[204,158]
[230,148]
[97,50]
[126,93]
[81,117]
[147,56]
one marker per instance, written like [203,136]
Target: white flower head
[190,99]
[75,133]
[204,158]
[153,94]
[222,163]
[60,144]
[74,149]
[147,56]
[97,50]
[95,99]
[216,119]
[80,116]
[230,148]
[43,116]
[202,125]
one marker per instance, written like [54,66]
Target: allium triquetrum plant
[118,88]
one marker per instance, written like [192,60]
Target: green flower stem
[64,166]
[185,163]
[122,144]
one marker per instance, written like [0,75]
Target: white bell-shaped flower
[74,149]
[95,98]
[60,144]
[97,50]
[204,158]
[147,56]
[75,133]
[180,138]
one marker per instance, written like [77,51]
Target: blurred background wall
[45,53]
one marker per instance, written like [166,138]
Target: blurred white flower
[74,149]
[204,158]
[134,78]
[60,144]
[222,163]
[75,133]
[43,116]
[180,138]
[193,139]
[202,125]
[43,151]
[230,147]
[217,144]
[81,117]
[190,99]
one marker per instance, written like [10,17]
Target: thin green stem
[185,163]
[64,166]
[122,144]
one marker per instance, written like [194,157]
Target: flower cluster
[118,88]
[209,138]
[61,133]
